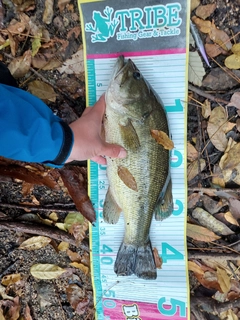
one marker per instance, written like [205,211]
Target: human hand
[88,142]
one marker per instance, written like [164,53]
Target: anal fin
[111,210]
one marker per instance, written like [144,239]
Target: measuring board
[155,37]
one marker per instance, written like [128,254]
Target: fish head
[128,91]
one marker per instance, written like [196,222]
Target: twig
[206,95]
[64,208]
[217,192]
[40,230]
[213,255]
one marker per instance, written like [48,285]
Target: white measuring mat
[160,53]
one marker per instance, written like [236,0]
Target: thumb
[113,151]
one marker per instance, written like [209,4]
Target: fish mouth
[123,66]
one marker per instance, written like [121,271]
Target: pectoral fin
[129,136]
[164,206]
[111,210]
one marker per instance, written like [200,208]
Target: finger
[113,151]
[99,160]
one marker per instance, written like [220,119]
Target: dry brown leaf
[211,205]
[21,65]
[193,199]
[229,217]
[193,168]
[73,65]
[80,266]
[35,243]
[62,4]
[209,280]
[203,26]
[13,308]
[42,90]
[79,230]
[157,259]
[27,313]
[10,279]
[17,27]
[74,256]
[206,109]
[234,207]
[217,178]
[127,178]
[235,100]
[208,221]
[205,11]
[77,298]
[213,50]
[48,11]
[200,233]
[194,4]
[40,61]
[220,37]
[192,153]
[217,128]
[192,266]
[223,280]
[163,139]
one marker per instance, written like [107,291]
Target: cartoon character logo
[105,26]
[131,312]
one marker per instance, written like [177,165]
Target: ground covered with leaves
[44,270]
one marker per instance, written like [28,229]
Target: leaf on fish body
[127,178]
[157,259]
[163,139]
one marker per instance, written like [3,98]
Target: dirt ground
[70,296]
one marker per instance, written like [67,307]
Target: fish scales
[132,111]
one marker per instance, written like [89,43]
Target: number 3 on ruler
[173,310]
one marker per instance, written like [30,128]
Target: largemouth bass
[140,184]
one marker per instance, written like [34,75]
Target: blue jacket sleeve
[29,131]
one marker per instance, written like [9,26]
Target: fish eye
[136,75]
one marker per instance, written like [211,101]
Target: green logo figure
[104,27]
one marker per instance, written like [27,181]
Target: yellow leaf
[194,4]
[163,139]
[10,279]
[63,246]
[127,178]
[80,266]
[206,109]
[42,90]
[228,315]
[203,26]
[200,233]
[61,226]
[229,217]
[193,168]
[36,44]
[73,218]
[223,280]
[233,61]
[35,243]
[46,271]
[192,266]
[236,48]
[53,216]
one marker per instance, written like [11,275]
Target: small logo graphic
[131,312]
[104,27]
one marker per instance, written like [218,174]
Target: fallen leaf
[53,216]
[73,65]
[205,11]
[192,153]
[3,293]
[217,177]
[211,205]
[192,266]
[27,313]
[229,217]
[157,259]
[196,71]
[46,271]
[234,207]
[220,37]
[203,26]
[48,11]
[62,4]
[73,218]
[36,44]
[194,168]
[206,109]
[235,100]
[163,139]
[127,178]
[79,230]
[77,298]
[193,199]
[74,256]
[194,4]
[80,266]
[223,280]
[63,246]
[21,65]
[213,50]
[11,278]
[35,243]
[200,233]
[228,315]
[42,90]
[233,61]
[13,308]
[217,128]
[220,79]
[229,163]
[208,221]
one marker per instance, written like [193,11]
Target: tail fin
[138,260]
